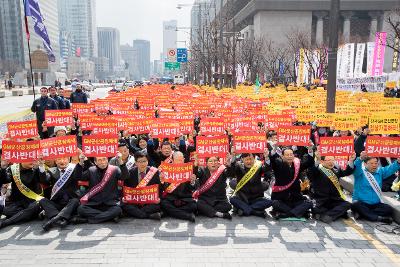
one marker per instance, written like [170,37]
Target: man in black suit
[64,199]
[140,176]
[101,202]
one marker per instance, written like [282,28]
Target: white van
[179,79]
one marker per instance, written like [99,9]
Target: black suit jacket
[217,191]
[109,196]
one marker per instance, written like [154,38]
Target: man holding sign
[330,200]
[249,186]
[64,199]
[144,202]
[177,198]
[367,194]
[26,192]
[100,204]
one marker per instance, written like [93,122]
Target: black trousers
[371,212]
[53,209]
[21,211]
[140,212]
[297,208]
[332,208]
[206,209]
[183,211]
[99,213]
[258,204]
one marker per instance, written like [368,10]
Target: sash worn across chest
[296,163]
[63,179]
[210,182]
[247,177]
[333,178]
[21,187]
[372,182]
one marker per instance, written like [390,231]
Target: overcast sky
[142,19]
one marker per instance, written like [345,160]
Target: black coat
[109,195]
[284,174]
[218,191]
[41,104]
[30,178]
[183,192]
[254,188]
[70,190]
[133,179]
[322,189]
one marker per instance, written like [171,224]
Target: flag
[32,10]
[257,85]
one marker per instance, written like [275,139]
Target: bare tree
[394,35]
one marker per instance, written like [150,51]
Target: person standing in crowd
[140,176]
[249,186]
[211,194]
[57,98]
[39,106]
[330,201]
[78,96]
[367,195]
[67,104]
[101,202]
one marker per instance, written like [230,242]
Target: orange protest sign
[176,173]
[377,146]
[86,122]
[143,195]
[81,108]
[186,126]
[212,126]
[165,128]
[275,122]
[22,129]
[336,146]
[59,147]
[384,124]
[294,135]
[58,117]
[105,126]
[19,152]
[99,145]
[212,146]
[250,142]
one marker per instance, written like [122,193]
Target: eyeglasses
[142,161]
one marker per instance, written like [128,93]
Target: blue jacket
[362,189]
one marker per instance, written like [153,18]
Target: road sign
[181,55]
[171,55]
[172,65]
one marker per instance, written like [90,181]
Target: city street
[209,242]
[14,104]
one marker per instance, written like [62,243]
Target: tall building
[67,49]
[275,19]
[170,37]
[142,48]
[200,13]
[109,45]
[128,55]
[78,17]
[13,43]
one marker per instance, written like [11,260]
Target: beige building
[81,68]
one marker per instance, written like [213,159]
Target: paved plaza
[243,241]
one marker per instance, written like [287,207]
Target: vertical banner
[300,76]
[370,57]
[359,60]
[345,61]
[379,54]
[339,62]
[350,60]
[395,63]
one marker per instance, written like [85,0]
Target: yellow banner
[384,124]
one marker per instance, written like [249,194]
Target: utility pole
[332,55]
[221,40]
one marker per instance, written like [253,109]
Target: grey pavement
[208,242]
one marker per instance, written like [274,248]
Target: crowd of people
[302,183]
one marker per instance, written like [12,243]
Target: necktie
[142,175]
